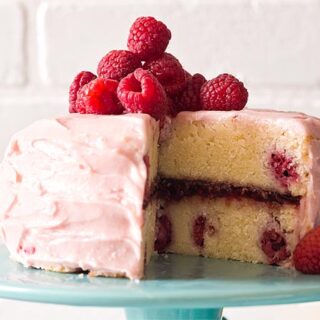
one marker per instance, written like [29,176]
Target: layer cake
[82,192]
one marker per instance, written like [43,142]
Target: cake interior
[229,228]
[237,150]
[231,188]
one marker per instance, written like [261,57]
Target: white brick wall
[12,44]
[273,45]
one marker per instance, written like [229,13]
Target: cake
[81,192]
[152,159]
[240,185]
[76,194]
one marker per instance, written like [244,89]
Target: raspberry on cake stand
[175,287]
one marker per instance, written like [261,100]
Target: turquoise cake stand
[176,287]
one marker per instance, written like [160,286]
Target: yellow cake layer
[233,229]
[235,150]
[149,228]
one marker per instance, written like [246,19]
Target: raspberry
[224,92]
[148,38]
[171,110]
[117,64]
[188,75]
[141,92]
[99,97]
[274,245]
[79,81]
[198,229]
[189,99]
[163,233]
[306,256]
[283,168]
[168,70]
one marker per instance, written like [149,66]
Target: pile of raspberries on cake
[146,79]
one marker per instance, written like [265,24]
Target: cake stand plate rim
[171,281]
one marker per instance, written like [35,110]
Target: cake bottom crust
[65,269]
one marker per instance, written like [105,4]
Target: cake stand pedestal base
[173,314]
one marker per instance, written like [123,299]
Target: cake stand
[176,287]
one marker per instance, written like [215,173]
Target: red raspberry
[163,233]
[224,92]
[198,230]
[141,92]
[99,97]
[117,64]
[274,245]
[189,99]
[148,38]
[168,70]
[79,81]
[306,255]
[283,168]
[171,110]
[188,75]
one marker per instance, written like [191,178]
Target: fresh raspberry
[117,64]
[189,99]
[141,92]
[168,70]
[171,110]
[79,81]
[188,75]
[283,168]
[306,256]
[163,233]
[274,245]
[224,92]
[198,230]
[99,97]
[148,38]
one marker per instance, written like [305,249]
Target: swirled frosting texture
[72,191]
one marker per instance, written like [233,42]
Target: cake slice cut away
[256,174]
[77,194]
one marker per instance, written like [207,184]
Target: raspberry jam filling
[175,189]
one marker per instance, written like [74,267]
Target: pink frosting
[72,190]
[306,126]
